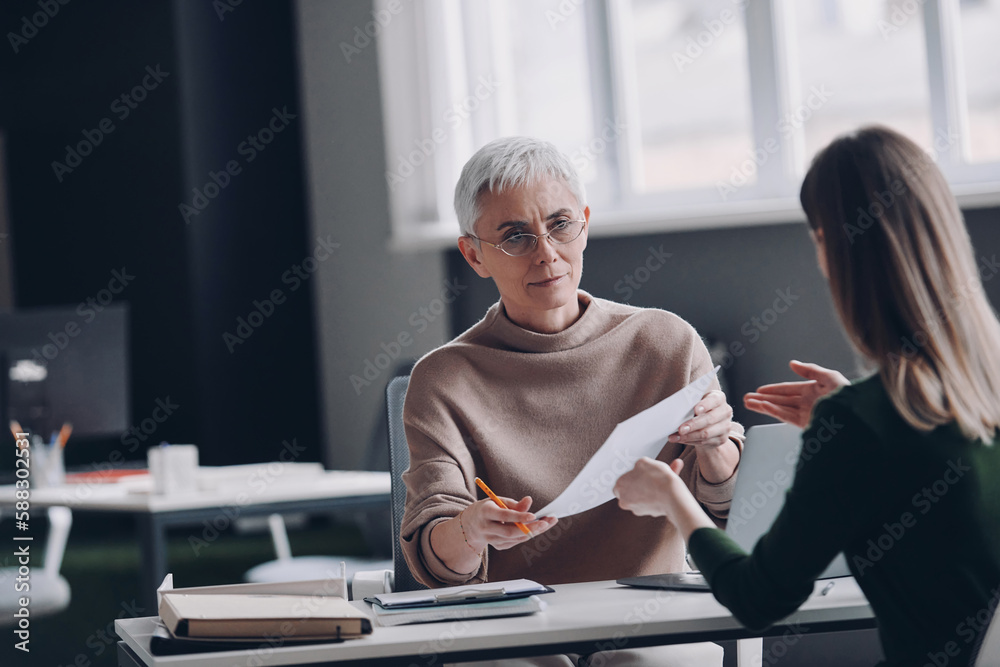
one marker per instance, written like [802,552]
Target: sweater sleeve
[437,489]
[823,511]
[714,497]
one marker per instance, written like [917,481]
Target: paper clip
[471,595]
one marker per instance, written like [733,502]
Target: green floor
[102,563]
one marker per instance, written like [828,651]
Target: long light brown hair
[905,281]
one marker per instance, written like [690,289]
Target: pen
[827,588]
[494,498]
[64,434]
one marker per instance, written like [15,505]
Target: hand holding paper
[643,434]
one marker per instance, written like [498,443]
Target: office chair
[287,567]
[399,578]
[302,568]
[399,461]
[989,649]
[49,592]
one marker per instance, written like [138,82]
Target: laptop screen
[767,469]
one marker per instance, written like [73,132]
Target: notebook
[493,609]
[247,616]
[767,468]
[452,595]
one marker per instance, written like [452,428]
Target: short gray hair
[510,162]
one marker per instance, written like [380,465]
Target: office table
[222,495]
[580,618]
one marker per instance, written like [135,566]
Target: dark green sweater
[917,516]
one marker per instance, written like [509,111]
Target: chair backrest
[60,521]
[399,461]
[989,650]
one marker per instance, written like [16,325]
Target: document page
[644,434]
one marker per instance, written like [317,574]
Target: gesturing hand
[486,523]
[792,402]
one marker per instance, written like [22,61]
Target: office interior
[275,311]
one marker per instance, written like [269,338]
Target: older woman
[525,397]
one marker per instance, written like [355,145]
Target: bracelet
[460,525]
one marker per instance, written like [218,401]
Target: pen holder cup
[174,468]
[49,469]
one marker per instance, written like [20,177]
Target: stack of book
[255,615]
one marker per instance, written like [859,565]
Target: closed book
[262,616]
[493,609]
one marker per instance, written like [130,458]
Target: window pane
[545,80]
[693,90]
[872,64]
[980,30]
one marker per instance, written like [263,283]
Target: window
[681,113]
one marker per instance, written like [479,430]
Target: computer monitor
[66,365]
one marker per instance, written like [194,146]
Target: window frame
[422,59]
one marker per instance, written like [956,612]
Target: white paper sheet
[644,434]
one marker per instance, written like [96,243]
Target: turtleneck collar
[589,325]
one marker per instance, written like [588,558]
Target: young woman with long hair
[910,462]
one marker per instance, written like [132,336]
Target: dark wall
[726,283]
[209,83]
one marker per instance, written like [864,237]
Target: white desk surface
[576,613]
[241,485]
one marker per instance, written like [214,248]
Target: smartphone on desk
[671,581]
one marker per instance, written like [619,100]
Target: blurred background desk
[223,495]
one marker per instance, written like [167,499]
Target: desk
[223,495]
[580,618]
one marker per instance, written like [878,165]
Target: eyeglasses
[521,243]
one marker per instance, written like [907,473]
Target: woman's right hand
[486,523]
[792,402]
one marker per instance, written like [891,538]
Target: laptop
[767,468]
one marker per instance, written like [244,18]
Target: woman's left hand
[711,424]
[648,489]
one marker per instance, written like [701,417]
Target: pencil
[64,433]
[494,498]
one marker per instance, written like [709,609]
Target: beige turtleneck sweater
[525,411]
